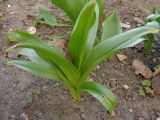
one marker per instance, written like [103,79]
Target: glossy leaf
[101,93]
[109,46]
[111,26]
[35,69]
[84,33]
[48,53]
[71,7]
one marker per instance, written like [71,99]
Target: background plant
[49,62]
[72,9]
[150,38]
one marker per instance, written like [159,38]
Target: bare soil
[54,102]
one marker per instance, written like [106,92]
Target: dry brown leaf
[121,57]
[156,84]
[141,69]
[57,43]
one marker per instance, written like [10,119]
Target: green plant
[49,62]
[73,7]
[47,18]
[1,1]
[150,38]
[145,88]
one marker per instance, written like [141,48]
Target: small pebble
[113,114]
[9,6]
[32,30]
[131,110]
[98,67]
[158,118]
[125,87]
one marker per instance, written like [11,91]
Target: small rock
[127,26]
[98,67]
[158,118]
[125,87]
[141,118]
[130,110]
[113,114]
[9,6]
[121,57]
[32,30]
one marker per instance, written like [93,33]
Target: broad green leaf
[32,55]
[101,93]
[20,36]
[111,26]
[48,17]
[84,33]
[42,48]
[71,7]
[35,69]
[67,69]
[109,46]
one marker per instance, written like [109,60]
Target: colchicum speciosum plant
[49,62]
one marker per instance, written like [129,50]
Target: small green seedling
[145,88]
[150,38]
[49,62]
[45,17]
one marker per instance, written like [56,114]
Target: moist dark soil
[53,101]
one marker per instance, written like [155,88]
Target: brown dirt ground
[54,102]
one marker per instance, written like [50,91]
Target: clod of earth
[141,69]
